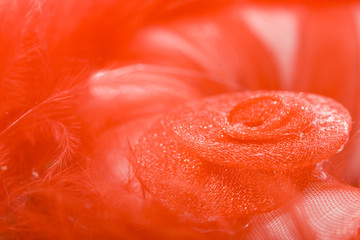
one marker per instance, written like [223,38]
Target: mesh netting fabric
[327,209]
[238,154]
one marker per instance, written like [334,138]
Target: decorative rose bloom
[179,119]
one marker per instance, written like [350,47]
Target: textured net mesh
[236,155]
[326,210]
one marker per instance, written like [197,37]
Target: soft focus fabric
[164,120]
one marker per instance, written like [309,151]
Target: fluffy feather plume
[81,81]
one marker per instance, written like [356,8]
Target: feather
[81,81]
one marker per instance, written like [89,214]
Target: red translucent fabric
[236,155]
[164,119]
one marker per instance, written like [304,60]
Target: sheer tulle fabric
[235,155]
[164,120]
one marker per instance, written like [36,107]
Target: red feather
[82,81]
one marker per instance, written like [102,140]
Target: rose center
[255,112]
